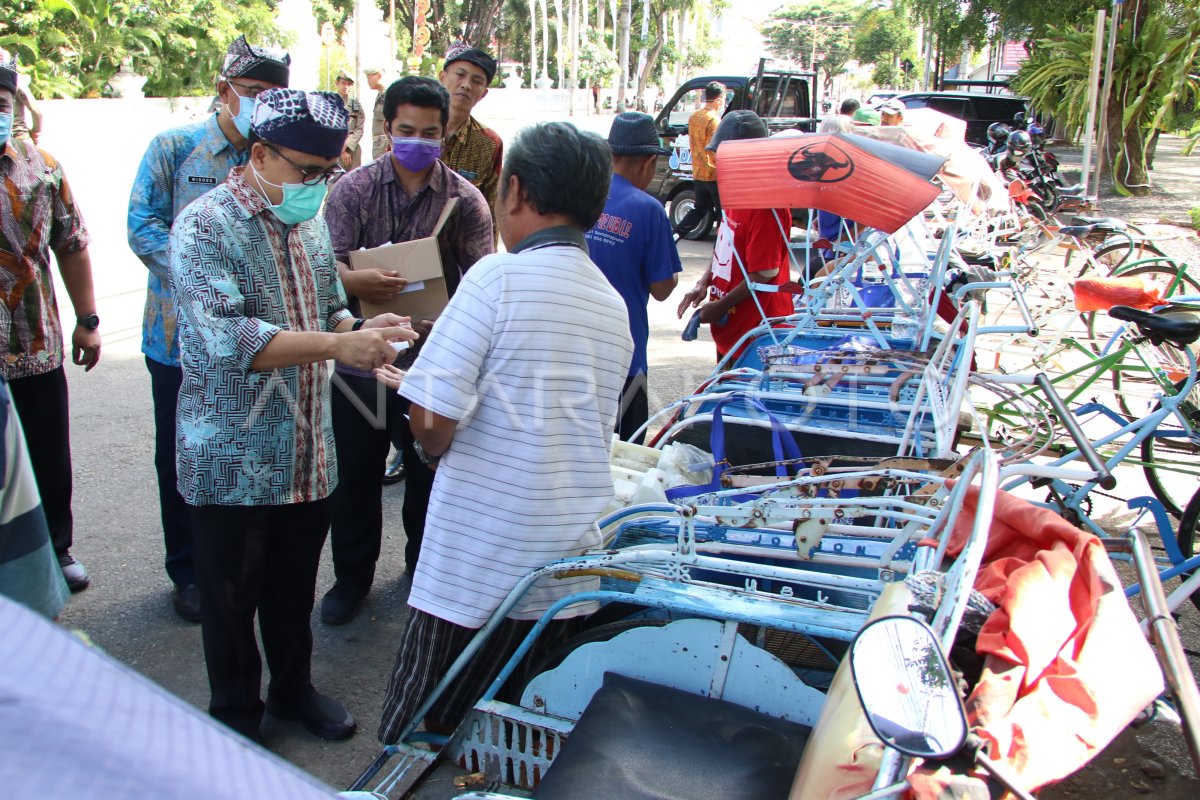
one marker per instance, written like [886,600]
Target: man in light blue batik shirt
[181,165]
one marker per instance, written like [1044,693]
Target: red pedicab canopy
[873,183]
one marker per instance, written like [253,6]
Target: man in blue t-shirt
[635,249]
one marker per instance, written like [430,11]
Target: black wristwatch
[421,454]
[358,323]
[91,321]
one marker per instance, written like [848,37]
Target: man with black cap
[40,217]
[756,239]
[352,156]
[180,165]
[261,313]
[633,246]
[471,149]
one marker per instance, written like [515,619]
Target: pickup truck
[784,99]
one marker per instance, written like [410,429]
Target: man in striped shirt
[514,396]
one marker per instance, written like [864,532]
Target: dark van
[979,110]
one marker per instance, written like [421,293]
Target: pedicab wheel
[681,205]
[1186,538]
[1116,255]
[1161,454]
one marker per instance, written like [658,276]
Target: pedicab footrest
[640,740]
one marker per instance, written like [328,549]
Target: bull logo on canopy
[820,162]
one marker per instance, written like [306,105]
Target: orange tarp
[874,183]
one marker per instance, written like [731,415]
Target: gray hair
[562,169]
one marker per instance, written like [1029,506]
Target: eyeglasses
[311,177]
[251,92]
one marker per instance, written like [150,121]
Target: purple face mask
[415,154]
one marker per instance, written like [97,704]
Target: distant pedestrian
[180,165]
[632,245]
[261,313]
[596,97]
[381,143]
[701,127]
[24,106]
[353,155]
[40,217]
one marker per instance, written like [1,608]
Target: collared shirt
[38,215]
[357,123]
[380,141]
[369,207]
[476,152]
[530,357]
[180,165]
[701,127]
[249,437]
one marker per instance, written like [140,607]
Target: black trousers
[41,402]
[165,381]
[634,410]
[256,560]
[367,418]
[707,199]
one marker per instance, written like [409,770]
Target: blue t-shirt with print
[633,247]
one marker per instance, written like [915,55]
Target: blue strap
[783,446]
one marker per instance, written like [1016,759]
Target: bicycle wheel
[1163,457]
[1117,254]
[1186,537]
[1171,278]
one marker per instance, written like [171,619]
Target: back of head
[849,106]
[416,91]
[737,125]
[713,90]
[562,170]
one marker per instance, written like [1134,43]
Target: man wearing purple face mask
[393,199]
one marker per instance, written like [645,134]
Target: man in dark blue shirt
[634,248]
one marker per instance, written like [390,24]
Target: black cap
[744,124]
[633,134]
[8,74]
[474,56]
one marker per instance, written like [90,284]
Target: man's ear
[511,194]
[258,155]
[485,91]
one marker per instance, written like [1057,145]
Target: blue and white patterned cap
[311,122]
[244,60]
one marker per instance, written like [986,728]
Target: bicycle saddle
[1101,223]
[1177,327]
[1079,231]
[1074,188]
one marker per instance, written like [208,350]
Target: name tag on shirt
[202,179]
[468,174]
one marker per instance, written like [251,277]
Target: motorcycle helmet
[997,133]
[1037,134]
[1019,145]
[1019,120]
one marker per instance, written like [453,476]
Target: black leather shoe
[322,716]
[341,604]
[74,573]
[186,600]
[395,470]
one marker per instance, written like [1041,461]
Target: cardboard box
[420,262]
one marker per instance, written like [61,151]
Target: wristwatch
[89,321]
[421,454]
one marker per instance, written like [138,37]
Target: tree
[1153,76]
[817,33]
[882,37]
[626,20]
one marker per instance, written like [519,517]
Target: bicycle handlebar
[1104,476]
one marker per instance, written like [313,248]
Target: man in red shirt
[758,238]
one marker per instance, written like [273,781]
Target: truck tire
[683,202]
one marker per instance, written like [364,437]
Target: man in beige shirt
[701,126]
